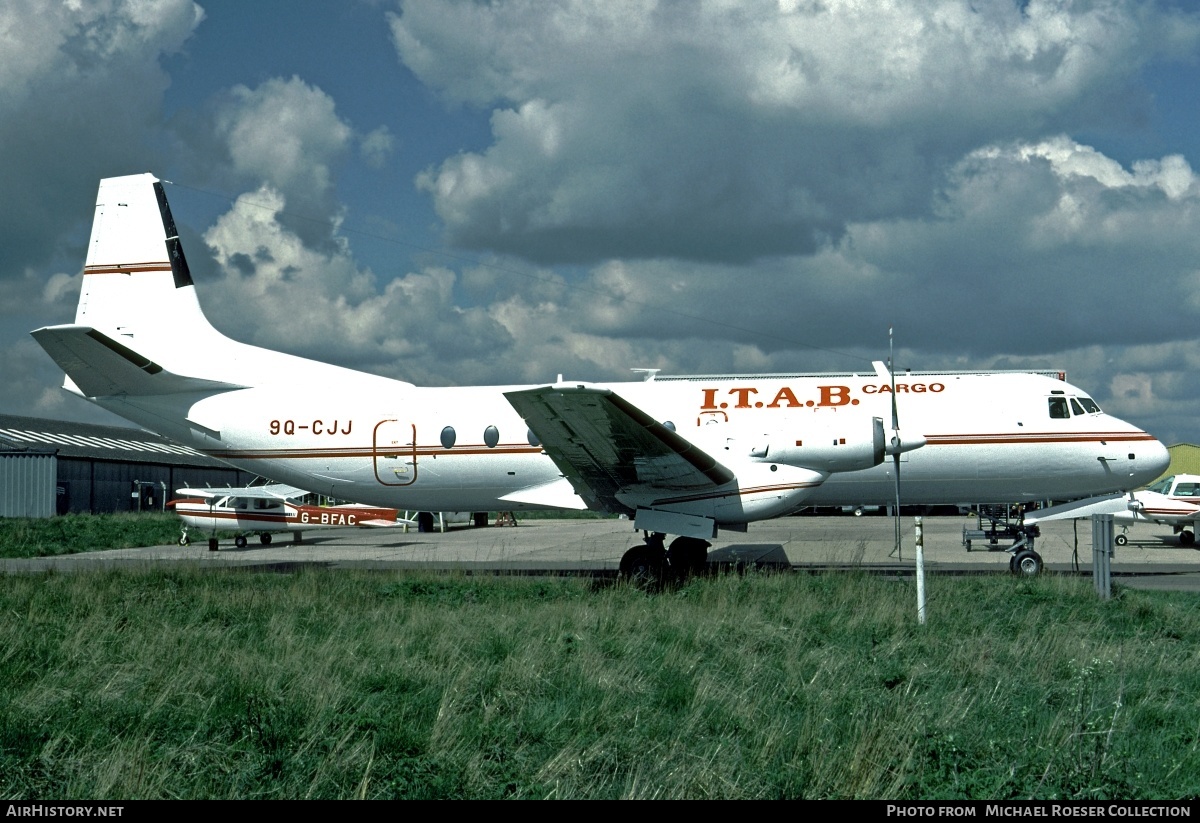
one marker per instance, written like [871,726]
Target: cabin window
[1187,490]
[491,436]
[448,437]
[267,505]
[1089,405]
[1162,486]
[532,438]
[1058,408]
[1075,407]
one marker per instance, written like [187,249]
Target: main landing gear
[1002,523]
[652,563]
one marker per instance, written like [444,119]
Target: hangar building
[52,467]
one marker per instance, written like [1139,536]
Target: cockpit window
[1058,408]
[1162,486]
[1075,407]
[1089,405]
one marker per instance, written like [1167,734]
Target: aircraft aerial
[269,508]
[1172,501]
[682,456]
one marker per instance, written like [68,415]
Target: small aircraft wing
[1147,505]
[604,445]
[1105,504]
[271,491]
[101,366]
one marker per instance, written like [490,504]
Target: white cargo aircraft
[684,456]
[1173,501]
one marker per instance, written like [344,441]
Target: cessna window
[1090,405]
[1162,486]
[239,503]
[1075,407]
[259,503]
[1058,408]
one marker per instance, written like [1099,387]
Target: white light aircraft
[683,456]
[270,508]
[1173,501]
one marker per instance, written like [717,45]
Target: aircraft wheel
[240,541]
[265,539]
[480,519]
[184,540]
[212,544]
[644,565]
[425,522]
[1187,538]
[688,556]
[1026,563]
[1121,540]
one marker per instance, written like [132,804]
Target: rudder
[136,280]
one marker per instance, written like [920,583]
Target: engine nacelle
[834,446]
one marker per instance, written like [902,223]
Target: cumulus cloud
[730,132]
[287,134]
[279,292]
[81,88]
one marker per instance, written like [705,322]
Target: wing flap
[604,446]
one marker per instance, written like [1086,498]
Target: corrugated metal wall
[27,484]
[99,486]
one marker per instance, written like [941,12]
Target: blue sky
[461,193]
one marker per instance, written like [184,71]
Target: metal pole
[1102,551]
[920,573]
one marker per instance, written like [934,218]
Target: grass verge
[73,533]
[185,683]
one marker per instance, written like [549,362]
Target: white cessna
[681,455]
[1173,501]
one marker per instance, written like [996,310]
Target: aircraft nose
[1152,461]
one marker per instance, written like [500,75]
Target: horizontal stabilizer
[387,524]
[102,367]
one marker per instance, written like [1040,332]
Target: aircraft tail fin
[139,329]
[136,281]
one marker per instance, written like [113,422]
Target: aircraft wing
[1146,505]
[604,445]
[101,366]
[271,491]
[1105,504]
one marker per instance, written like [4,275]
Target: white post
[920,573]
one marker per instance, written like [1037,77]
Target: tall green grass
[72,533]
[187,683]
